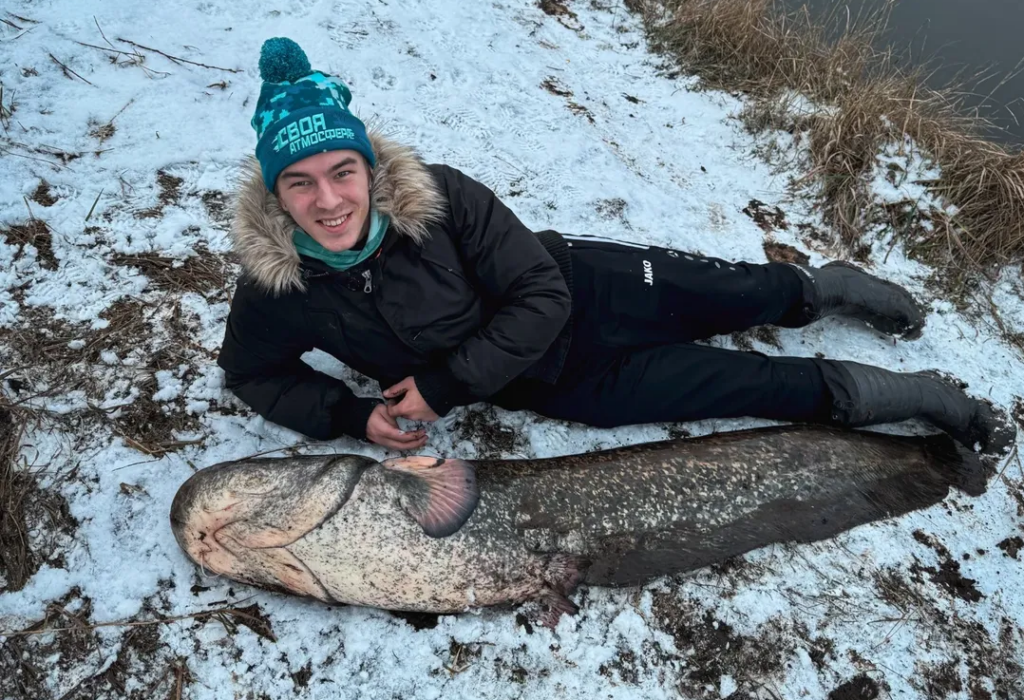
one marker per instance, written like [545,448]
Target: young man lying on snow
[419,277]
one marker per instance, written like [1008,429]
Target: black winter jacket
[461,296]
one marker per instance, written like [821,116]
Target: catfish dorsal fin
[440,494]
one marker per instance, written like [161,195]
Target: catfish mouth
[203,539]
[218,541]
[200,511]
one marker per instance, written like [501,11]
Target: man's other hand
[410,403]
[382,428]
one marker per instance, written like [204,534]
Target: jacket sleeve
[261,359]
[516,272]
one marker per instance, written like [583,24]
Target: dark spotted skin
[649,510]
[617,517]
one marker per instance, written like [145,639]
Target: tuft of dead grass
[103,132]
[170,193]
[490,437]
[203,272]
[152,428]
[25,508]
[6,110]
[15,556]
[987,185]
[51,345]
[37,234]
[62,356]
[780,252]
[758,48]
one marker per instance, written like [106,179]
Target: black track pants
[636,311]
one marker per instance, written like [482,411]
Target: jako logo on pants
[648,273]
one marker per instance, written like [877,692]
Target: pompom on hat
[301,112]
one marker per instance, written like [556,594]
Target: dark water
[952,36]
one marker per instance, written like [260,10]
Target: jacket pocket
[451,266]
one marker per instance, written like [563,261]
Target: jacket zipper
[368,285]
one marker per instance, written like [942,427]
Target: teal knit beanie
[301,112]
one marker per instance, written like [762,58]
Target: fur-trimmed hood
[403,189]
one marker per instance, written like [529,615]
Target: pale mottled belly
[372,553]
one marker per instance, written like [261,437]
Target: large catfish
[446,535]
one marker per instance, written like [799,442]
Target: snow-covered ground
[569,119]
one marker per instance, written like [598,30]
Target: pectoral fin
[440,494]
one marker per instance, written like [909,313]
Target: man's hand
[411,405]
[383,429]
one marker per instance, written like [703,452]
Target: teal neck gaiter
[344,259]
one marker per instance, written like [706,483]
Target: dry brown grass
[755,47]
[203,272]
[61,356]
[15,556]
[47,344]
[37,234]
[25,508]
[170,193]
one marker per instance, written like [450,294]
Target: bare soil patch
[555,8]
[1011,546]
[767,217]
[579,110]
[861,687]
[555,88]
[769,335]
[140,340]
[942,680]
[59,353]
[711,648]
[302,677]
[1018,411]
[418,621]
[948,574]
[42,195]
[16,565]
[780,252]
[153,427]
[217,205]
[956,637]
[624,668]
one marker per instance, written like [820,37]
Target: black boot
[843,289]
[865,395]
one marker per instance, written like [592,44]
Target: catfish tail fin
[958,465]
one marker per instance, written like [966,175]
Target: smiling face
[328,195]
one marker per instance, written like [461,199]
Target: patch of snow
[672,168]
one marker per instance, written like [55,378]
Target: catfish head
[235,519]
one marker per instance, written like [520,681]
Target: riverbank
[861,101]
